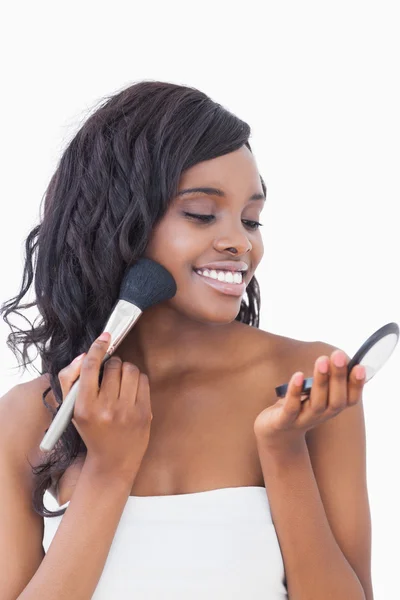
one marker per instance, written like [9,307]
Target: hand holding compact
[373,354]
[332,392]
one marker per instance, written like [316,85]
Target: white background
[318,83]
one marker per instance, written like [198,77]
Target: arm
[77,554]
[76,557]
[21,529]
[322,515]
[314,563]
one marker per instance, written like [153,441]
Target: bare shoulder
[24,418]
[286,351]
[281,351]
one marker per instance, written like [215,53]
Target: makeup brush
[144,284]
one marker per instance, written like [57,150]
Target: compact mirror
[372,355]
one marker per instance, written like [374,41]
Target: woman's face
[182,243]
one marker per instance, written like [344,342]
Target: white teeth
[227,276]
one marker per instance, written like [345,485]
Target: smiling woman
[211,218]
[162,171]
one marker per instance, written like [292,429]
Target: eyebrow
[215,192]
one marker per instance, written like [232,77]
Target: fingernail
[339,360]
[298,378]
[323,366]
[79,357]
[360,373]
[104,337]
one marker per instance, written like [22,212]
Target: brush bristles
[147,283]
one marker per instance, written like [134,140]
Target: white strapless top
[214,545]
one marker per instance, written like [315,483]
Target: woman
[180,474]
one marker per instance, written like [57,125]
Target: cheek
[171,245]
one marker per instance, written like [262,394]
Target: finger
[320,386]
[292,405]
[355,385]
[111,382]
[69,374]
[338,381]
[129,383]
[90,370]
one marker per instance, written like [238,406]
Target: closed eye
[208,218]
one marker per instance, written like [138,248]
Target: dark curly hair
[113,183]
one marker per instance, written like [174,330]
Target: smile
[227,282]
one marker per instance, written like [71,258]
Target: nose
[234,239]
